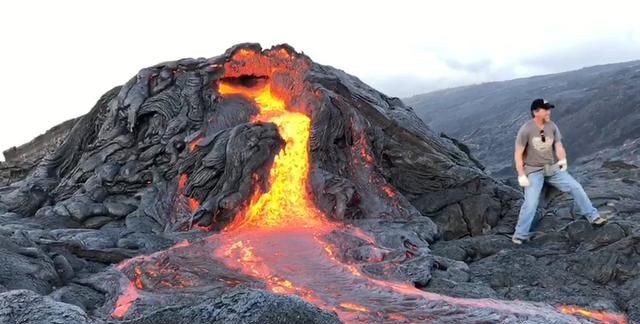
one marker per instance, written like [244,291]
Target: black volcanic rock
[240,306]
[164,162]
[19,161]
[26,306]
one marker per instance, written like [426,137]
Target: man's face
[544,114]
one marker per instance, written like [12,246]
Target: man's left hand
[563,164]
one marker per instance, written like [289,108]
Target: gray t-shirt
[536,152]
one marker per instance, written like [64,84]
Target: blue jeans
[565,183]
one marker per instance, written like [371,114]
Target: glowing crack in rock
[125,301]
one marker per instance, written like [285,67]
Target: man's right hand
[523,181]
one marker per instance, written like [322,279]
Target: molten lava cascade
[288,202]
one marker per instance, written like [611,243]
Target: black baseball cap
[541,103]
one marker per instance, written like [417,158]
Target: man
[536,142]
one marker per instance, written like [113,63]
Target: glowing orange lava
[194,143]
[182,181]
[130,295]
[138,280]
[193,204]
[125,301]
[387,189]
[287,203]
[355,307]
[604,317]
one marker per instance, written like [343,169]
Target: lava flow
[604,317]
[287,203]
[278,238]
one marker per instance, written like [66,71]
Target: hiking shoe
[599,221]
[517,241]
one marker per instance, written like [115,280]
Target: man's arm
[561,154]
[519,158]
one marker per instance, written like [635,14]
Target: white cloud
[60,56]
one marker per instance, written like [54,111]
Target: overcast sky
[58,57]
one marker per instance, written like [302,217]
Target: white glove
[563,164]
[523,181]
